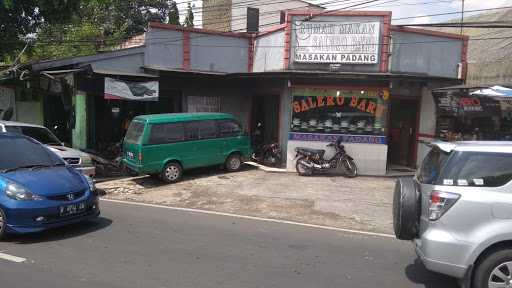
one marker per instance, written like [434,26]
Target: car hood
[48,181]
[66,152]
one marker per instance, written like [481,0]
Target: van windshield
[41,134]
[134,133]
[432,165]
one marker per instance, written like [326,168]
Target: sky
[400,8]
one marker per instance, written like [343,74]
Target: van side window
[166,133]
[229,128]
[196,130]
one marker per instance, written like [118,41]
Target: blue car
[38,190]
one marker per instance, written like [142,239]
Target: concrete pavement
[139,246]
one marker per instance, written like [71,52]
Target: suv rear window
[481,169]
[432,165]
[134,133]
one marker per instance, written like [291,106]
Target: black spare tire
[406,209]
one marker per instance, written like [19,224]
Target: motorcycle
[312,160]
[268,155]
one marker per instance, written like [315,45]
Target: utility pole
[462,19]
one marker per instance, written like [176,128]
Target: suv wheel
[495,270]
[406,209]
[172,172]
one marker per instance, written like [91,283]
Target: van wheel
[495,270]
[172,172]
[233,163]
[3,225]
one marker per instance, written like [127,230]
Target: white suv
[77,159]
[458,212]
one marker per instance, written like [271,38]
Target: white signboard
[137,91]
[7,104]
[336,42]
[203,104]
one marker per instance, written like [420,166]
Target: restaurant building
[309,80]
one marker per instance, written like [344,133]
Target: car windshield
[22,152]
[432,165]
[134,132]
[41,134]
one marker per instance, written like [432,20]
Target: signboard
[357,116]
[203,104]
[366,139]
[127,90]
[7,104]
[461,104]
[336,42]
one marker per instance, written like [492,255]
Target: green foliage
[174,14]
[65,28]
[189,19]
[60,41]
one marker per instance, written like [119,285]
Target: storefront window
[339,111]
[463,116]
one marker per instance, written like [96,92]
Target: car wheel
[406,209]
[233,163]
[3,224]
[495,270]
[172,172]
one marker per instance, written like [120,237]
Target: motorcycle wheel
[350,168]
[271,160]
[302,169]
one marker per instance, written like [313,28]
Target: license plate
[72,209]
[130,155]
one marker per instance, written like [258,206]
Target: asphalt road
[136,246]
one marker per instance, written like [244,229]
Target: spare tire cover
[406,209]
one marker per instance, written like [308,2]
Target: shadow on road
[418,274]
[190,175]
[61,233]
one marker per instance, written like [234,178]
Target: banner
[7,104]
[336,42]
[460,104]
[135,91]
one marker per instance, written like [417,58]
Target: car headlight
[86,161]
[90,182]
[17,192]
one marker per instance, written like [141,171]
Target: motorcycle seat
[310,151]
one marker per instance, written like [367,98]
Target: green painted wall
[79,136]
[29,106]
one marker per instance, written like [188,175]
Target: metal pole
[462,19]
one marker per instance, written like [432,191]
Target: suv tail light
[440,202]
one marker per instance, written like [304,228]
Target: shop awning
[495,91]
[123,73]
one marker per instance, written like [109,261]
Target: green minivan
[166,144]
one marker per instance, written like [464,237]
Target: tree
[65,28]
[174,14]
[189,19]
[21,18]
